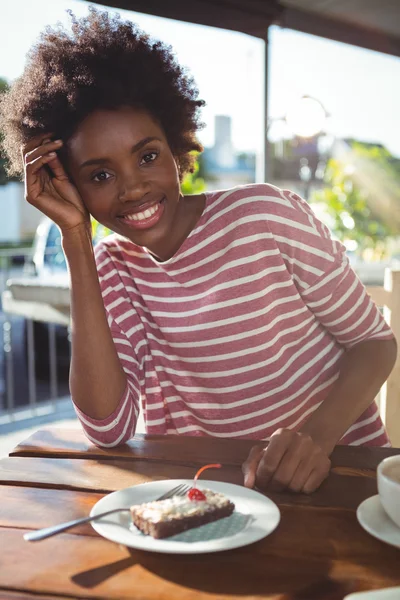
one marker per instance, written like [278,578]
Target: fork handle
[41,534]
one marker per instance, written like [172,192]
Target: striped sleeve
[117,428]
[328,285]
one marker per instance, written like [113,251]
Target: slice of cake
[168,517]
[164,518]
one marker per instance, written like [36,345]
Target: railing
[388,399]
[32,382]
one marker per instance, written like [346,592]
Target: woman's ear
[178,168]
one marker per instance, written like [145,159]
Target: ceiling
[372,24]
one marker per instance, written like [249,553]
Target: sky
[359,89]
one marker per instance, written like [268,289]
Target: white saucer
[372,518]
[392,593]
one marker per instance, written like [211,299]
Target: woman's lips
[145,219]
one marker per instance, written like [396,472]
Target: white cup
[388,475]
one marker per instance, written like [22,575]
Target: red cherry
[196,494]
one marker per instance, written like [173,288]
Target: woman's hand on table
[48,187]
[292,461]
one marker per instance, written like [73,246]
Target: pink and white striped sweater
[241,331]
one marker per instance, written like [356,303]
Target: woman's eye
[101,176]
[149,157]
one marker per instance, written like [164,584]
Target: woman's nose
[132,189]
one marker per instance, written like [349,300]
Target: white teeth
[149,212]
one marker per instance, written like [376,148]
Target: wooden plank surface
[319,553]
[193,450]
[34,508]
[345,490]
[99,476]
[7,595]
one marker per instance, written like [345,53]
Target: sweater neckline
[186,242]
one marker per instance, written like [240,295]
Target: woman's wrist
[326,440]
[82,230]
[78,238]
[78,250]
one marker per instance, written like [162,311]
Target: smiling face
[124,170]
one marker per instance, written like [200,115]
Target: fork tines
[178,490]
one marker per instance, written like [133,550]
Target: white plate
[254,517]
[372,518]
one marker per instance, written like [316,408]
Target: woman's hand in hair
[48,187]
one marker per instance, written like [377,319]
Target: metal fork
[41,534]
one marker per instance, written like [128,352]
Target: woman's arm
[97,379]
[363,370]
[299,460]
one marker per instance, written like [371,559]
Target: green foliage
[98,231]
[3,175]
[353,209]
[193,183]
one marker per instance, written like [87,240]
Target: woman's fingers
[57,169]
[301,475]
[277,448]
[36,164]
[35,142]
[311,472]
[249,467]
[317,476]
[291,461]
[47,185]
[295,451]
[44,148]
[262,463]
[33,176]
[35,159]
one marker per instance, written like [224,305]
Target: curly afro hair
[102,63]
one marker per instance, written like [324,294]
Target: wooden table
[318,552]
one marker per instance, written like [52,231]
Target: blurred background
[314,115]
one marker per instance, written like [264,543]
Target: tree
[361,198]
[3,174]
[193,183]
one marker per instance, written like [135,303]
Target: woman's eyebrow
[135,148]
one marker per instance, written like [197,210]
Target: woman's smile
[145,217]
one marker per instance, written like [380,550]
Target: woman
[230,313]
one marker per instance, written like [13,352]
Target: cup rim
[384,463]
